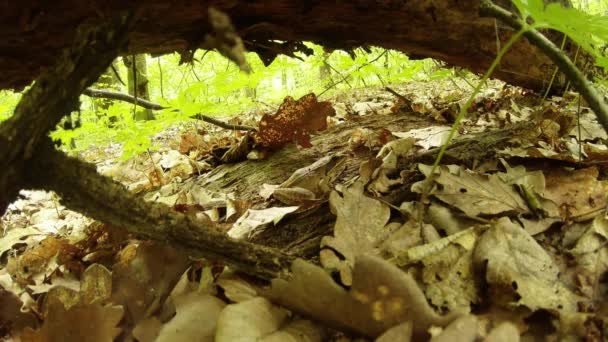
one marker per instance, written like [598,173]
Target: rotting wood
[33,35]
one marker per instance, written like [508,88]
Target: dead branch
[84,190]
[106,94]
[222,124]
[99,93]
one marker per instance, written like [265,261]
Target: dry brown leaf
[462,329]
[12,318]
[504,332]
[195,319]
[381,297]
[519,271]
[360,222]
[250,320]
[401,332]
[294,121]
[477,194]
[144,276]
[80,323]
[578,193]
[96,285]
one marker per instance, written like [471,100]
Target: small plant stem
[466,106]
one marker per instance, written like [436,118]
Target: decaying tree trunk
[33,34]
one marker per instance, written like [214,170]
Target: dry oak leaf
[294,121]
[519,272]
[477,194]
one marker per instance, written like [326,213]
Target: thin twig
[390,90]
[84,190]
[160,73]
[223,124]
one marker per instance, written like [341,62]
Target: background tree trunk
[139,75]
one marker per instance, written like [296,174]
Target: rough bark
[84,190]
[54,95]
[33,34]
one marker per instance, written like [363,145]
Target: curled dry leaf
[294,121]
[381,297]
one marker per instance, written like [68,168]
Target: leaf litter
[510,243]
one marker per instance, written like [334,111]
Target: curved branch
[155,106]
[222,124]
[122,97]
[582,84]
[84,190]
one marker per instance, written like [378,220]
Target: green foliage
[8,102]
[590,31]
[215,86]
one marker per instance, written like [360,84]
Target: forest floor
[508,240]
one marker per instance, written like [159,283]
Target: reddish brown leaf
[191,141]
[294,121]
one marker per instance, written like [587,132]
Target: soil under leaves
[508,240]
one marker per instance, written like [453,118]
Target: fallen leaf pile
[506,240]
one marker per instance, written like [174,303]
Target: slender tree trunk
[139,74]
[325,71]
